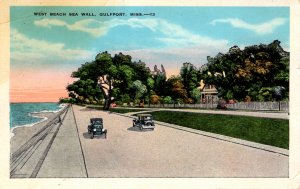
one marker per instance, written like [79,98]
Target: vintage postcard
[179,95]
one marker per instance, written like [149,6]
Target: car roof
[96,119]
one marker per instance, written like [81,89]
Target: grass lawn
[274,132]
[124,110]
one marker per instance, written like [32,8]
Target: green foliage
[86,89]
[139,88]
[259,72]
[168,100]
[196,94]
[125,98]
[150,83]
[190,78]
[159,84]
[67,100]
[252,72]
[109,77]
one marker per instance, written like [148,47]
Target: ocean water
[20,113]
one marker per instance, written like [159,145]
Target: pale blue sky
[173,36]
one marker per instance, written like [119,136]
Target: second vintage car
[144,121]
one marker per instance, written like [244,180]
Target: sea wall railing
[28,147]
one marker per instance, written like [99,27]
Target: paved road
[167,152]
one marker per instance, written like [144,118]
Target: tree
[86,89]
[112,75]
[159,84]
[190,78]
[178,92]
[103,72]
[168,100]
[140,90]
[251,73]
[150,86]
[155,99]
[196,94]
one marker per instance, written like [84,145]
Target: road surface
[167,152]
[68,152]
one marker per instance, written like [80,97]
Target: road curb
[221,137]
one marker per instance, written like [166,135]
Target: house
[209,93]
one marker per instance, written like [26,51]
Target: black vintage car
[144,121]
[96,127]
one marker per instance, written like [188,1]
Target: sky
[45,49]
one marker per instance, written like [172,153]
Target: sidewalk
[65,157]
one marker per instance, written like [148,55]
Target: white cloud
[172,57]
[171,34]
[49,22]
[94,27]
[180,44]
[261,29]
[25,48]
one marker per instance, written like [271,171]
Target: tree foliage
[252,73]
[190,77]
[113,76]
[257,73]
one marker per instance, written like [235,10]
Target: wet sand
[23,133]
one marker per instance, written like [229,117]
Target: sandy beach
[22,134]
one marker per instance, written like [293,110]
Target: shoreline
[43,116]
[20,134]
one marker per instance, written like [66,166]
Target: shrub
[168,100]
[154,99]
[222,104]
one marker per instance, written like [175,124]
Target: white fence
[208,106]
[281,106]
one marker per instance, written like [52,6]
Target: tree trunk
[149,100]
[107,100]
[107,103]
[106,94]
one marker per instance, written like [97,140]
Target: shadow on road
[86,135]
[137,129]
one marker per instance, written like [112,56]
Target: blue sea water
[20,112]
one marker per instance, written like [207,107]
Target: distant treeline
[257,73]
